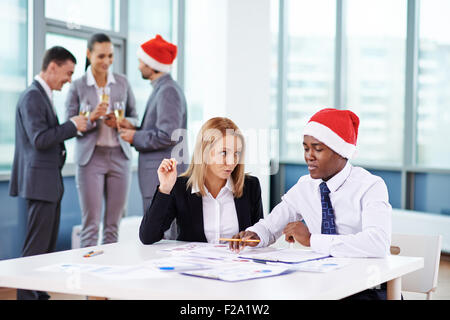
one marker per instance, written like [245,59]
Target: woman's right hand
[167,174]
[99,111]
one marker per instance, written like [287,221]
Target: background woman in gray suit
[103,159]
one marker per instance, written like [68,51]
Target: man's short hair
[59,55]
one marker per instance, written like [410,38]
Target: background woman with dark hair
[103,159]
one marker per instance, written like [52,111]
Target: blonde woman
[214,198]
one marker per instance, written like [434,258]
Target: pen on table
[93,254]
[240,240]
[167,268]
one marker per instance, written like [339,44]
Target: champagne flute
[104,97]
[119,111]
[85,111]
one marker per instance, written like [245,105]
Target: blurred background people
[103,159]
[40,154]
[166,112]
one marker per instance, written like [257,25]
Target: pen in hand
[239,240]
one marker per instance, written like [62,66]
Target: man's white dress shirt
[49,93]
[219,214]
[361,208]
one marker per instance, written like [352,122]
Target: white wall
[422,223]
[248,80]
[228,71]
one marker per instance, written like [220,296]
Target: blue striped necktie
[328,225]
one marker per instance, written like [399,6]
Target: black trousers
[370,294]
[41,237]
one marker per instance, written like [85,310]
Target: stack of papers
[322,265]
[213,261]
[240,272]
[285,256]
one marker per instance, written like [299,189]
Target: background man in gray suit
[165,113]
[40,155]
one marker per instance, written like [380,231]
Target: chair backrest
[426,246]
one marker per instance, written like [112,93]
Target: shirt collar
[90,80]
[44,85]
[228,185]
[155,83]
[338,180]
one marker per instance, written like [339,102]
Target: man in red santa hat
[165,119]
[338,209]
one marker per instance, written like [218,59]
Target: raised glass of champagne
[119,111]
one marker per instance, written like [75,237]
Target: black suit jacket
[187,208]
[40,152]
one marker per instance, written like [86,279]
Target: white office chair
[429,247]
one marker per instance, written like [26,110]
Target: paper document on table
[110,272]
[239,272]
[187,248]
[219,252]
[177,263]
[284,255]
[321,265]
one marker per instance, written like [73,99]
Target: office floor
[442,292]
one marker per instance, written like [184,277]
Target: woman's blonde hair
[211,132]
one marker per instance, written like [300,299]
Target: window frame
[39,26]
[409,166]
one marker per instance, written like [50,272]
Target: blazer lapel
[149,105]
[242,211]
[47,100]
[196,211]
[158,85]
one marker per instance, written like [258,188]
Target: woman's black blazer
[187,208]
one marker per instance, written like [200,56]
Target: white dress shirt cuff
[261,232]
[321,243]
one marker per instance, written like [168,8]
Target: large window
[310,67]
[146,19]
[81,19]
[13,71]
[70,24]
[77,47]
[375,69]
[99,14]
[274,65]
[433,96]
[391,66]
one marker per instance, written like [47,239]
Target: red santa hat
[337,129]
[158,54]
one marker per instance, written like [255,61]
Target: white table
[359,275]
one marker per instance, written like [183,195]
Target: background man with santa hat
[338,209]
[165,113]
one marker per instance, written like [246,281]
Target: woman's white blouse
[219,214]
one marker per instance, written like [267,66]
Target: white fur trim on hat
[330,139]
[152,63]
